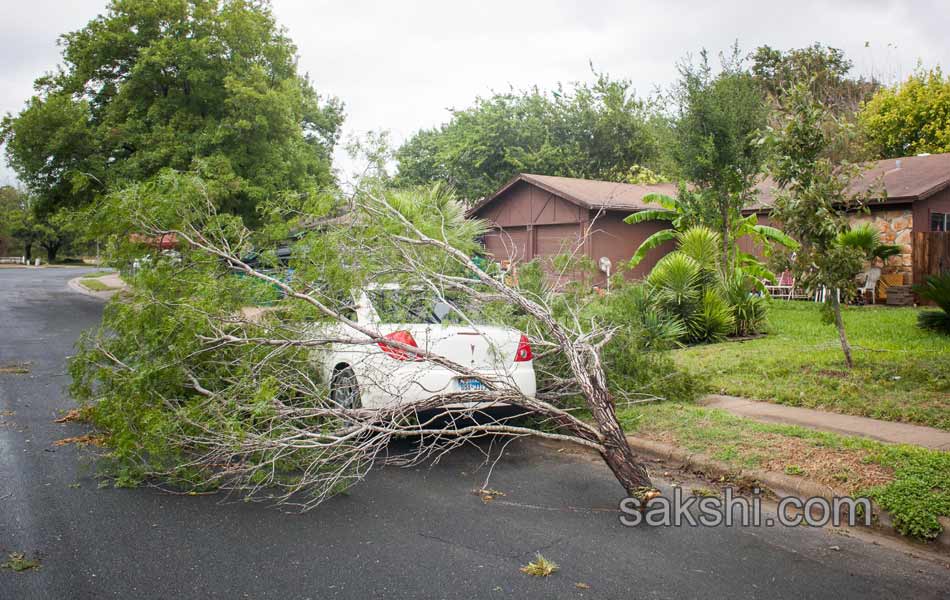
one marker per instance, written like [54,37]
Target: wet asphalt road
[418,533]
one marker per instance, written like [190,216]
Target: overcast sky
[398,65]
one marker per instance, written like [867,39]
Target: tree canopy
[596,131]
[910,118]
[825,70]
[715,134]
[202,85]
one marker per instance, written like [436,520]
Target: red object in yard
[524,350]
[166,241]
[402,337]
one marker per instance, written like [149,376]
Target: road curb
[779,483]
[76,286]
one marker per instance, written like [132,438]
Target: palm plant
[682,216]
[688,285]
[937,289]
[867,238]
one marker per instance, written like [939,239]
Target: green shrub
[689,286]
[636,359]
[748,307]
[713,321]
[936,289]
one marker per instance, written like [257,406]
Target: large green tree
[910,118]
[598,131]
[202,85]
[715,148]
[825,70]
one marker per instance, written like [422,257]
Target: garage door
[556,240]
[509,244]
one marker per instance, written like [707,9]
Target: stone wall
[896,226]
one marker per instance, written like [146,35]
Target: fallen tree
[194,393]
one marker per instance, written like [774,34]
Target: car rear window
[415,306]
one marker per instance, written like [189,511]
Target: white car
[374,375]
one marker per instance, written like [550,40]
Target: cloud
[401,65]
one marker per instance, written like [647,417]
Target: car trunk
[481,348]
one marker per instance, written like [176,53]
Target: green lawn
[95,285]
[901,372]
[912,483]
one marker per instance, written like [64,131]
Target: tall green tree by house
[205,85]
[910,118]
[828,73]
[596,131]
[810,163]
[715,141]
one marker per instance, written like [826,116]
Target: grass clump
[539,567]
[95,285]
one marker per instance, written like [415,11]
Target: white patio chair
[870,284]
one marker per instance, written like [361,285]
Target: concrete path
[112,280]
[886,431]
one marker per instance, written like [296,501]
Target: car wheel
[344,390]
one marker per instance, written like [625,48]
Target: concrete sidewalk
[885,431]
[112,280]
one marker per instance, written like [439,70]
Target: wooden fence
[931,254]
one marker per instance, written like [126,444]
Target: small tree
[810,162]
[719,119]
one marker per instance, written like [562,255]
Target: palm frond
[775,235]
[668,202]
[701,244]
[654,241]
[650,215]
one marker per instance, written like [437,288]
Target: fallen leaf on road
[487,495]
[581,586]
[17,561]
[15,369]
[87,438]
[72,416]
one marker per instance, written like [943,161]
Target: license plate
[471,385]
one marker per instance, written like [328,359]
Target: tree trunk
[839,323]
[628,470]
[51,250]
[28,251]
[617,453]
[724,209]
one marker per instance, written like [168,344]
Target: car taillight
[402,337]
[524,350]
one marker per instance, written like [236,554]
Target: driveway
[418,533]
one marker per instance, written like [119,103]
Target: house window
[939,221]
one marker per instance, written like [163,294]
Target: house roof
[905,180]
[587,193]
[908,178]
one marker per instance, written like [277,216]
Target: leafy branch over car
[303,402]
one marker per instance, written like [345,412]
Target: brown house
[539,216]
